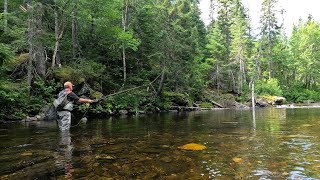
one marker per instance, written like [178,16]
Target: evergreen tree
[240,48]
[269,34]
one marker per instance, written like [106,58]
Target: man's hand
[96,100]
[83,100]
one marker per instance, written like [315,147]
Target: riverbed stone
[166,159]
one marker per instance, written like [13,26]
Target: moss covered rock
[270,100]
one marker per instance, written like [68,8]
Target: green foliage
[80,72]
[268,87]
[177,98]
[11,103]
[46,90]
[300,94]
[163,103]
[206,105]
[5,53]
[133,101]
[128,41]
[16,103]
[304,45]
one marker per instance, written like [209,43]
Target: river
[272,143]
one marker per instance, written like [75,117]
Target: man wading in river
[64,105]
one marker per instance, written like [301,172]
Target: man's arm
[83,100]
[77,98]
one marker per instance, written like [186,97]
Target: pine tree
[269,33]
[239,54]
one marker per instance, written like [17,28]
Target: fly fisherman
[66,105]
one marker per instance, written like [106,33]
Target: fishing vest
[62,103]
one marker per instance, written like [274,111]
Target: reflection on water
[269,144]
[63,158]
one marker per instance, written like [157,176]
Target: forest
[161,49]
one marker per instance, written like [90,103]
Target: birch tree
[124,26]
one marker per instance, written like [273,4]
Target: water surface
[271,144]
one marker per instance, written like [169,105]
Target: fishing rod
[130,89]
[113,94]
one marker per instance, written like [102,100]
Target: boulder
[240,106]
[261,102]
[279,100]
[308,101]
[33,118]
[123,112]
[39,117]
[264,101]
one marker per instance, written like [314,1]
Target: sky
[294,10]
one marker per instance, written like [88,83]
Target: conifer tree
[268,34]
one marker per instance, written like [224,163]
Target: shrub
[177,98]
[299,94]
[269,87]
[81,72]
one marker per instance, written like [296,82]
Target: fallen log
[216,104]
[185,108]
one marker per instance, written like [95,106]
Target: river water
[272,143]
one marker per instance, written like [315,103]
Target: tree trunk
[218,78]
[159,91]
[74,31]
[30,43]
[242,70]
[212,9]
[124,65]
[252,94]
[55,54]
[58,35]
[39,53]
[269,41]
[270,58]
[234,87]
[124,24]
[56,32]
[5,11]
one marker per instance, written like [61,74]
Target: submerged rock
[105,157]
[193,147]
[166,159]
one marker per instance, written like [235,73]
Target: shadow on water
[269,144]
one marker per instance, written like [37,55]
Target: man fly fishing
[64,105]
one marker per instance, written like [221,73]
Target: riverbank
[225,101]
[17,105]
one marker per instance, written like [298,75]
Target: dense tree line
[120,44]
